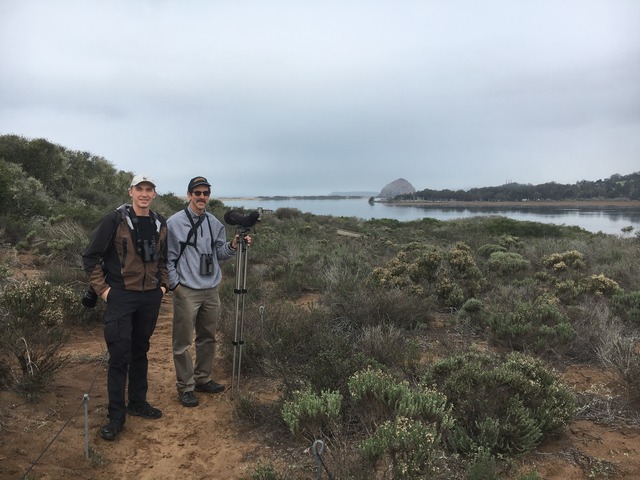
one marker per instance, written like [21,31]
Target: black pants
[129,322]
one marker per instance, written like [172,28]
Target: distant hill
[397,187]
[354,194]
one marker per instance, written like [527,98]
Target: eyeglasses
[197,193]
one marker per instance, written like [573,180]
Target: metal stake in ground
[244,224]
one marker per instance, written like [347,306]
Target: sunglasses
[197,193]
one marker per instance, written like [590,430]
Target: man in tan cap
[126,261]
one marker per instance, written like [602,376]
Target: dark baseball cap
[196,182]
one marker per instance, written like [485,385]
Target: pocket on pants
[111,330]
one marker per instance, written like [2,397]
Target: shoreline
[465,204]
[544,203]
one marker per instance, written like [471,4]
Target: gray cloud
[283,97]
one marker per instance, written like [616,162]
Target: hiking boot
[210,387]
[111,430]
[188,399]
[144,410]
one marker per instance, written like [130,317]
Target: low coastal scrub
[345,326]
[421,349]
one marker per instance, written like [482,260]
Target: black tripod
[244,224]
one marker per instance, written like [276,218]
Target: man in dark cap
[197,241]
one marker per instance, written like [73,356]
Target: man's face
[142,195]
[199,197]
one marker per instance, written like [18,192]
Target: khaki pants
[194,311]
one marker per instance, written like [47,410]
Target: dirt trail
[203,442]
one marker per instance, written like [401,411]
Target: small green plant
[483,467]
[312,414]
[472,305]
[249,408]
[265,471]
[5,273]
[532,475]
[408,445]
[97,459]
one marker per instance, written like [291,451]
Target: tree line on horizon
[616,187]
[37,176]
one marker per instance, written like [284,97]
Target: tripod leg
[240,291]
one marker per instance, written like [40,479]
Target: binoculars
[206,264]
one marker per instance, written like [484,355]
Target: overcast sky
[311,97]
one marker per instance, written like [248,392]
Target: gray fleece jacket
[187,270]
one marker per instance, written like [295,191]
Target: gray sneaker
[188,399]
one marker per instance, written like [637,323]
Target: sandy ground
[46,439]
[205,442]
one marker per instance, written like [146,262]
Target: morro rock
[397,187]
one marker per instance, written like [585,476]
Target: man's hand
[105,294]
[236,241]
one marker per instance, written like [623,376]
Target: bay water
[605,219]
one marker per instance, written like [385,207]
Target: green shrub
[286,213]
[409,446]
[388,345]
[507,263]
[332,362]
[510,242]
[31,331]
[534,325]
[460,258]
[473,311]
[275,345]
[627,306]
[483,467]
[558,262]
[449,292]
[426,266]
[622,356]
[489,248]
[600,285]
[378,396]
[473,305]
[299,345]
[311,414]
[501,404]
[357,306]
[429,272]
[62,241]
